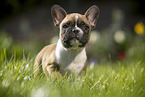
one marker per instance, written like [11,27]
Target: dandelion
[139,28]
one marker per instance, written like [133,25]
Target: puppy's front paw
[54,71]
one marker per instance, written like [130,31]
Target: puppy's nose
[75,30]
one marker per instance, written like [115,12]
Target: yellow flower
[139,28]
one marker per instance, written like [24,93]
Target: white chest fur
[70,60]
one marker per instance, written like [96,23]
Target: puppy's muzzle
[75,31]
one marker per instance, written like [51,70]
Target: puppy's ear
[58,14]
[92,15]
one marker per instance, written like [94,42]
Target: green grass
[119,79]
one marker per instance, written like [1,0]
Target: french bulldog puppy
[68,54]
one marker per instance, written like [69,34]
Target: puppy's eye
[86,27]
[66,25]
[82,23]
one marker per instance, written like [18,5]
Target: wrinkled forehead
[76,18]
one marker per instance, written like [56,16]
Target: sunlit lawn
[119,79]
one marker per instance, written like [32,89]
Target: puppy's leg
[38,61]
[85,69]
[37,65]
[42,56]
[37,68]
[54,70]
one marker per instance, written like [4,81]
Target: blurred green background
[26,27]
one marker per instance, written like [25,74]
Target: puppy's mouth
[74,42]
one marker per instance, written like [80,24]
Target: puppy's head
[74,28]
